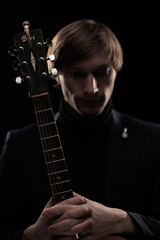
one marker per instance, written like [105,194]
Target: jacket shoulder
[23,133]
[21,137]
[134,124]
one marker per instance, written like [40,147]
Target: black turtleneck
[71,120]
[85,142]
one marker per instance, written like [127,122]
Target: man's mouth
[91,101]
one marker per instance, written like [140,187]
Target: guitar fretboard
[52,148]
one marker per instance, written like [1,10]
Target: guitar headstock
[30,52]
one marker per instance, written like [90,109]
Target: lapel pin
[124,133]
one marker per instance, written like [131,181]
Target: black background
[137,27]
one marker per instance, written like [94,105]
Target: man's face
[88,85]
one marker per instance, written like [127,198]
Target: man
[113,159]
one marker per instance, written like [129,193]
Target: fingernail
[51,228]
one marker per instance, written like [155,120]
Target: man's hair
[81,39]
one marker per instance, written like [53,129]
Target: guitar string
[59,176]
[53,167]
[62,160]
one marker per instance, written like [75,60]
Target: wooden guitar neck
[54,157]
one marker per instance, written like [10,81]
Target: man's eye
[102,72]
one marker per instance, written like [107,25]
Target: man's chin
[90,109]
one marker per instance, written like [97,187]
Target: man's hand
[79,215]
[61,221]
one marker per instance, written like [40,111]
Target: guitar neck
[53,153]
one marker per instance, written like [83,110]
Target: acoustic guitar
[30,52]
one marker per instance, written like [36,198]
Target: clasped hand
[74,215]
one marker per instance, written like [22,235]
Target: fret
[54,161]
[43,110]
[48,129]
[63,192]
[57,172]
[48,137]
[46,124]
[44,116]
[56,153]
[62,185]
[41,102]
[56,166]
[40,95]
[50,143]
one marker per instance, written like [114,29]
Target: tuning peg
[16,66]
[48,42]
[39,44]
[12,51]
[54,72]
[51,57]
[19,80]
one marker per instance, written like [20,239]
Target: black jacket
[117,164]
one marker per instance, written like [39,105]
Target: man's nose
[90,84]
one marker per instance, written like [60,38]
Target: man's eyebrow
[96,67]
[103,65]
